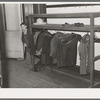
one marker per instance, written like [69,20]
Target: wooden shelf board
[67,15]
[85,28]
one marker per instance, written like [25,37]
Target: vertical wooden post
[91,51]
[30,21]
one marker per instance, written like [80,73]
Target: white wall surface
[71,21]
[12,20]
[13,43]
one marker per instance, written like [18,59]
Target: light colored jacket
[84,54]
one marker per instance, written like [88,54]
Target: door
[14,46]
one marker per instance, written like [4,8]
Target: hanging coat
[67,51]
[84,54]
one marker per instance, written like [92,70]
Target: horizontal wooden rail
[67,15]
[97,58]
[85,28]
[70,5]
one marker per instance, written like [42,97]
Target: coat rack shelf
[86,28]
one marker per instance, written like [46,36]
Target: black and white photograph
[50,45]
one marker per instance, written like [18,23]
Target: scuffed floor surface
[20,76]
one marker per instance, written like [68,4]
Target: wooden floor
[20,76]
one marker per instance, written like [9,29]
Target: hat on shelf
[39,21]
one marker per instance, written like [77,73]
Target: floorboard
[20,76]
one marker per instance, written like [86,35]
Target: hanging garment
[43,47]
[45,56]
[36,36]
[67,51]
[40,39]
[84,54]
[54,43]
[32,47]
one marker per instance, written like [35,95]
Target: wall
[14,46]
[12,19]
[71,21]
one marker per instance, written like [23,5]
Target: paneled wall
[14,47]
[12,20]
